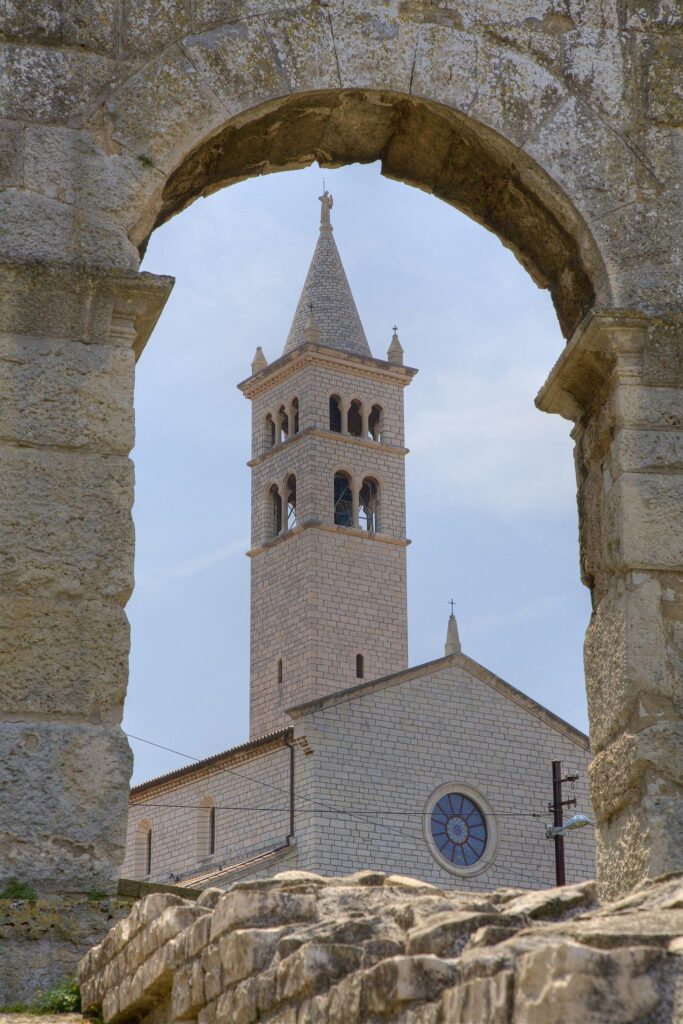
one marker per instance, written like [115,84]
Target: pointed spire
[259,362]
[395,350]
[452,635]
[327,289]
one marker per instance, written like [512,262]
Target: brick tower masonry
[328,535]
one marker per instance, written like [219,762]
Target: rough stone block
[248,909]
[615,985]
[65,524]
[65,394]
[69,166]
[152,113]
[480,999]
[63,658]
[11,153]
[237,63]
[67,836]
[50,84]
[41,229]
[245,952]
[642,517]
[662,57]
[88,24]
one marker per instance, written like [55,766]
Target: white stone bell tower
[328,554]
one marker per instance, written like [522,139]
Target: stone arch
[570,161]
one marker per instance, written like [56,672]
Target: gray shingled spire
[327,295]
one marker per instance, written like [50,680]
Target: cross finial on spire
[326,204]
[395,351]
[452,635]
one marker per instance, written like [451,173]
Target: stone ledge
[306,948]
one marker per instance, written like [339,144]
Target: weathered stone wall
[300,949]
[42,940]
[558,130]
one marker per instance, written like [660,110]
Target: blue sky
[490,480]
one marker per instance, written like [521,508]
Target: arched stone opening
[125,124]
[421,143]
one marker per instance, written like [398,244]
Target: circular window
[460,829]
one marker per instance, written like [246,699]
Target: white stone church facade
[355,760]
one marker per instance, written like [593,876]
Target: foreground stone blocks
[372,949]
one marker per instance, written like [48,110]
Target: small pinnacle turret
[395,350]
[452,636]
[259,362]
[326,290]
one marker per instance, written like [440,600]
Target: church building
[355,759]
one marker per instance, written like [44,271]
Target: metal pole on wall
[557,821]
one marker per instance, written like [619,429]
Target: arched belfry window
[291,501]
[269,431]
[274,511]
[343,500]
[355,418]
[142,850]
[283,424]
[360,666]
[375,424]
[368,506]
[335,414]
[295,416]
[206,828]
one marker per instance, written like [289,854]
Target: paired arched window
[281,423]
[206,828]
[368,503]
[343,500]
[355,419]
[142,850]
[281,500]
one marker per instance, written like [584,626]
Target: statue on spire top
[326,204]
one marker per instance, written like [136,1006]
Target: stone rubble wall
[42,940]
[302,949]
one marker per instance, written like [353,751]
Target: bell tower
[328,544]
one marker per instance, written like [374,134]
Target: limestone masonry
[378,949]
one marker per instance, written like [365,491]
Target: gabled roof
[327,296]
[432,667]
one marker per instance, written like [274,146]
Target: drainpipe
[291,837]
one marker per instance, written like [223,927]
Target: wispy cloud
[155,578]
[482,441]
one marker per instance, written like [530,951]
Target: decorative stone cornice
[316,524]
[358,366]
[606,342]
[327,435]
[79,304]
